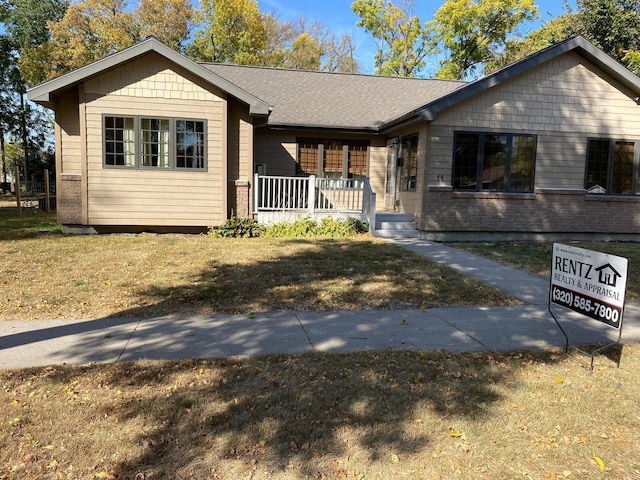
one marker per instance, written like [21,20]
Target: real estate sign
[588,282]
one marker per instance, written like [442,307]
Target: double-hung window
[500,162]
[119,141]
[612,167]
[154,142]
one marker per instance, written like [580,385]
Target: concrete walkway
[46,342]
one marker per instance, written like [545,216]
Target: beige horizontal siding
[159,197]
[378,172]
[69,123]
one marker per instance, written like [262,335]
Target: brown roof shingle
[334,100]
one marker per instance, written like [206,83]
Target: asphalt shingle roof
[334,100]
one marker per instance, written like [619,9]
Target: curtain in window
[129,140]
[332,162]
[163,145]
[307,158]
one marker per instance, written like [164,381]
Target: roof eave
[44,93]
[372,130]
[405,120]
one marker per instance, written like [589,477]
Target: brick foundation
[69,200]
[548,212]
[238,199]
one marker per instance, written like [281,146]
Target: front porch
[281,199]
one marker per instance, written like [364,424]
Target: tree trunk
[25,137]
[4,161]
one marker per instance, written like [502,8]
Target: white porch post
[312,193]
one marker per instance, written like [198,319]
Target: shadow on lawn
[326,274]
[284,412]
[296,414]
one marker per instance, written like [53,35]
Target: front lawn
[364,415]
[45,274]
[535,257]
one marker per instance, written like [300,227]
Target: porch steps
[396,225]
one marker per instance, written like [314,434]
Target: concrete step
[396,225]
[393,217]
[397,233]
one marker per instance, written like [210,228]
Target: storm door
[391,178]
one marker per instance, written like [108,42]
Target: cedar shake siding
[186,133]
[564,102]
[505,156]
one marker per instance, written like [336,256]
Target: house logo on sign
[608,275]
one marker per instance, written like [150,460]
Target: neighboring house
[548,147]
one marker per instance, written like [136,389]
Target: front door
[391,178]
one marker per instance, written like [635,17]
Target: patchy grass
[535,257]
[392,414]
[45,274]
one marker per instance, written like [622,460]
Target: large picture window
[612,167]
[500,162]
[149,142]
[332,158]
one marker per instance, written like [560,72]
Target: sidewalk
[38,343]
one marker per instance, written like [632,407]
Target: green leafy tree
[231,31]
[93,29]
[315,47]
[236,31]
[24,27]
[8,99]
[403,41]
[471,32]
[168,20]
[552,32]
[305,53]
[613,26]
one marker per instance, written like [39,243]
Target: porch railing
[309,194]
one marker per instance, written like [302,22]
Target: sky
[337,15]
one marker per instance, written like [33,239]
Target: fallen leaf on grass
[600,463]
[106,475]
[16,422]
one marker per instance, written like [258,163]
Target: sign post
[590,283]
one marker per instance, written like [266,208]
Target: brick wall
[238,200]
[69,200]
[569,213]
